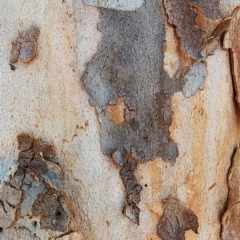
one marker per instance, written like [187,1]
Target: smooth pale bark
[46,98]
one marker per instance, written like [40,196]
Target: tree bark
[119,119]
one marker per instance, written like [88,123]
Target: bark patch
[230,223]
[186,15]
[119,112]
[176,220]
[35,157]
[194,79]
[210,43]
[231,41]
[24,48]
[183,17]
[210,8]
[129,64]
[11,199]
[34,190]
[230,219]
[53,212]
[133,189]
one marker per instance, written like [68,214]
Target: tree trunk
[119,119]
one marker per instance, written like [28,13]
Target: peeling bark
[176,220]
[194,79]
[186,27]
[129,64]
[24,48]
[34,189]
[200,23]
[231,41]
[133,189]
[230,219]
[210,8]
[234,180]
[34,159]
[128,165]
[138,108]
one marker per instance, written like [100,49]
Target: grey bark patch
[49,172]
[176,220]
[27,51]
[127,5]
[194,79]
[132,187]
[181,15]
[210,8]
[24,48]
[16,181]
[45,205]
[132,211]
[50,208]
[120,157]
[129,64]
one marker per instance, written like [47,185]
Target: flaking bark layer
[129,64]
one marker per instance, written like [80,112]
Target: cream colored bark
[46,98]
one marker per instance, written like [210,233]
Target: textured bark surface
[230,220]
[129,64]
[84,53]
[176,220]
[231,42]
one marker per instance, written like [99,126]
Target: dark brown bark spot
[132,187]
[36,159]
[176,220]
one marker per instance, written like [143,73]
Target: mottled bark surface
[113,81]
